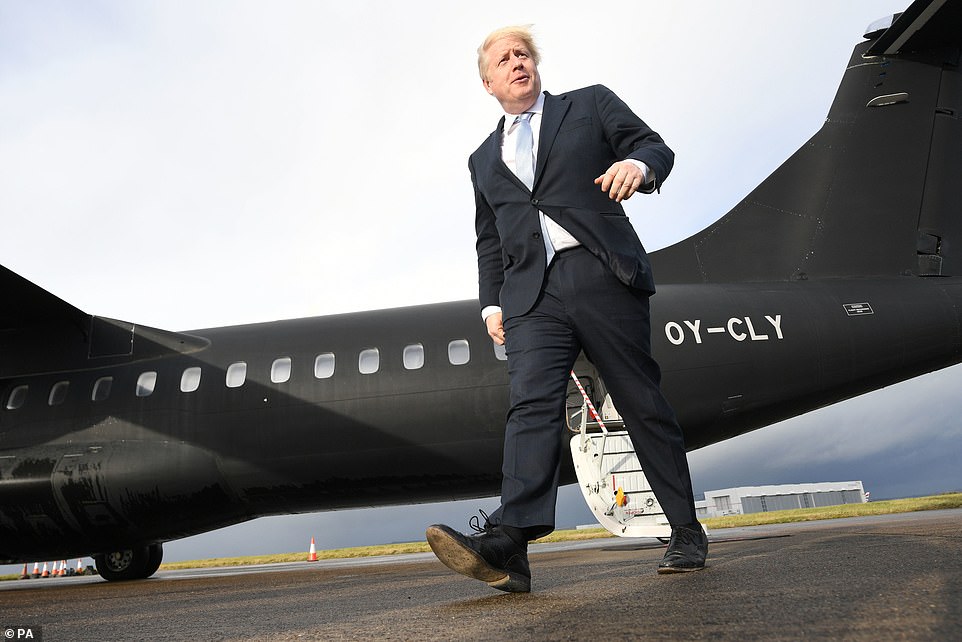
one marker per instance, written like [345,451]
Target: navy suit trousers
[583,306]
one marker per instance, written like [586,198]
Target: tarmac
[893,577]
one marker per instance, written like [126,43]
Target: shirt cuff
[488,310]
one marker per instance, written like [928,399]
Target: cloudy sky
[194,164]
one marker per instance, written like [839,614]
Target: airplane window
[499,352]
[18,396]
[281,370]
[58,393]
[102,388]
[413,356]
[369,361]
[324,365]
[190,380]
[146,383]
[236,374]
[459,352]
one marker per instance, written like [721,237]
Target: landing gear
[130,564]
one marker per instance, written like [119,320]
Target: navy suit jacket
[582,133]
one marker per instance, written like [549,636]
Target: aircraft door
[574,402]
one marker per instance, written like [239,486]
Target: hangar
[762,499]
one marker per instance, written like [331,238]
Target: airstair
[609,473]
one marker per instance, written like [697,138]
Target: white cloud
[209,151]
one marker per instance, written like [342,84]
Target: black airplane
[837,275]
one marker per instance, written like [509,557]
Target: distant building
[762,499]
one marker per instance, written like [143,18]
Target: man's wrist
[647,174]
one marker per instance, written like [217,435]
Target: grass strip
[933,502]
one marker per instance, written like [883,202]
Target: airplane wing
[40,332]
[26,305]
[37,329]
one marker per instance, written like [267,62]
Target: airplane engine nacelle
[69,500]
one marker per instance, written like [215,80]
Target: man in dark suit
[561,270]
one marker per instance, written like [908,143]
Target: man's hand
[621,180]
[495,328]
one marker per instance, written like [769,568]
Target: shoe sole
[668,570]
[467,562]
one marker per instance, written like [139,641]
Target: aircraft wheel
[130,564]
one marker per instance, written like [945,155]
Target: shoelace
[475,523]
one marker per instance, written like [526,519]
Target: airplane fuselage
[385,407]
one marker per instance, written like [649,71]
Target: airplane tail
[876,191]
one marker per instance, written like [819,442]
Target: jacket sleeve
[630,137]
[490,260]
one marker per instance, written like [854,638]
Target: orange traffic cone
[80,567]
[46,572]
[63,568]
[25,575]
[312,555]
[36,570]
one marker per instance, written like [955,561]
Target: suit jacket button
[535,201]
[536,235]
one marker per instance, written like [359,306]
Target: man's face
[512,76]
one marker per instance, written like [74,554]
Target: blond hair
[521,32]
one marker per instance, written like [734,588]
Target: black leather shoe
[686,552]
[490,556]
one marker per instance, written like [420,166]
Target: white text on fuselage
[737,328]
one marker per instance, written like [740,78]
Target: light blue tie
[524,152]
[524,168]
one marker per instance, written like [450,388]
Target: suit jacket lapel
[555,109]
[497,160]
